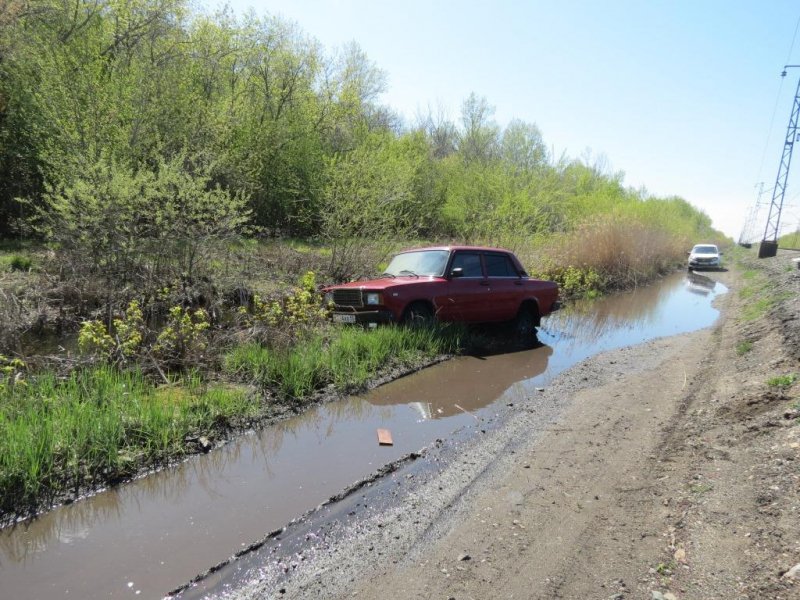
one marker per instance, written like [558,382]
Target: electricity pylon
[769,245]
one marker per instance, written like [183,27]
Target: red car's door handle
[485,283]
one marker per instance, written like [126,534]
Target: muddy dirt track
[672,472]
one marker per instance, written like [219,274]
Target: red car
[453,283]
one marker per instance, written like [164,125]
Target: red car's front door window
[465,293]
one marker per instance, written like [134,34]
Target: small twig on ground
[466,411]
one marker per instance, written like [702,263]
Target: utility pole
[769,245]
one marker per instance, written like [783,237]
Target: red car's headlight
[373,298]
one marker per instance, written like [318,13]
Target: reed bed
[605,254]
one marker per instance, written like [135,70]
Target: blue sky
[678,95]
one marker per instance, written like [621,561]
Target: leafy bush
[302,305]
[12,371]
[180,343]
[128,335]
[183,340]
[148,226]
[575,282]
[285,319]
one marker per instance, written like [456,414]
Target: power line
[747,234]
[771,127]
[752,214]
[794,37]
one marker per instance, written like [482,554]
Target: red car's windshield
[422,262]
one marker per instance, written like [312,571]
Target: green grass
[100,424]
[744,347]
[346,357]
[782,381]
[18,255]
[750,274]
[790,240]
[701,488]
[665,568]
[760,294]
[15,262]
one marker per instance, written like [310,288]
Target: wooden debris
[385,437]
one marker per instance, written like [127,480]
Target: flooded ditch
[152,535]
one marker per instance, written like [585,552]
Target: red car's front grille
[348,298]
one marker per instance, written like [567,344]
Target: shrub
[283,320]
[122,343]
[301,306]
[180,343]
[12,371]
[573,281]
[183,340]
[148,226]
[94,338]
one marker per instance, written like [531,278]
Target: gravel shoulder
[666,470]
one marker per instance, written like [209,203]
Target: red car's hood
[380,284]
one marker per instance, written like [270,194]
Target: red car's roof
[449,248]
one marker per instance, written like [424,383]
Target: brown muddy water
[152,535]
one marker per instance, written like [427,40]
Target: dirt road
[673,471]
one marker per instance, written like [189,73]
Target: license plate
[340,318]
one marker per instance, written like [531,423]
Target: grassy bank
[761,292]
[62,435]
[67,434]
[347,358]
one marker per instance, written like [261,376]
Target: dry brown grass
[622,253]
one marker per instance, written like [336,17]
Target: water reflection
[20,543]
[589,320]
[468,383]
[700,284]
[625,319]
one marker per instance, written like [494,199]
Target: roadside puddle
[152,535]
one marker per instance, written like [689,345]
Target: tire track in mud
[733,512]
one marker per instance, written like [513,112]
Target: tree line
[130,122]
